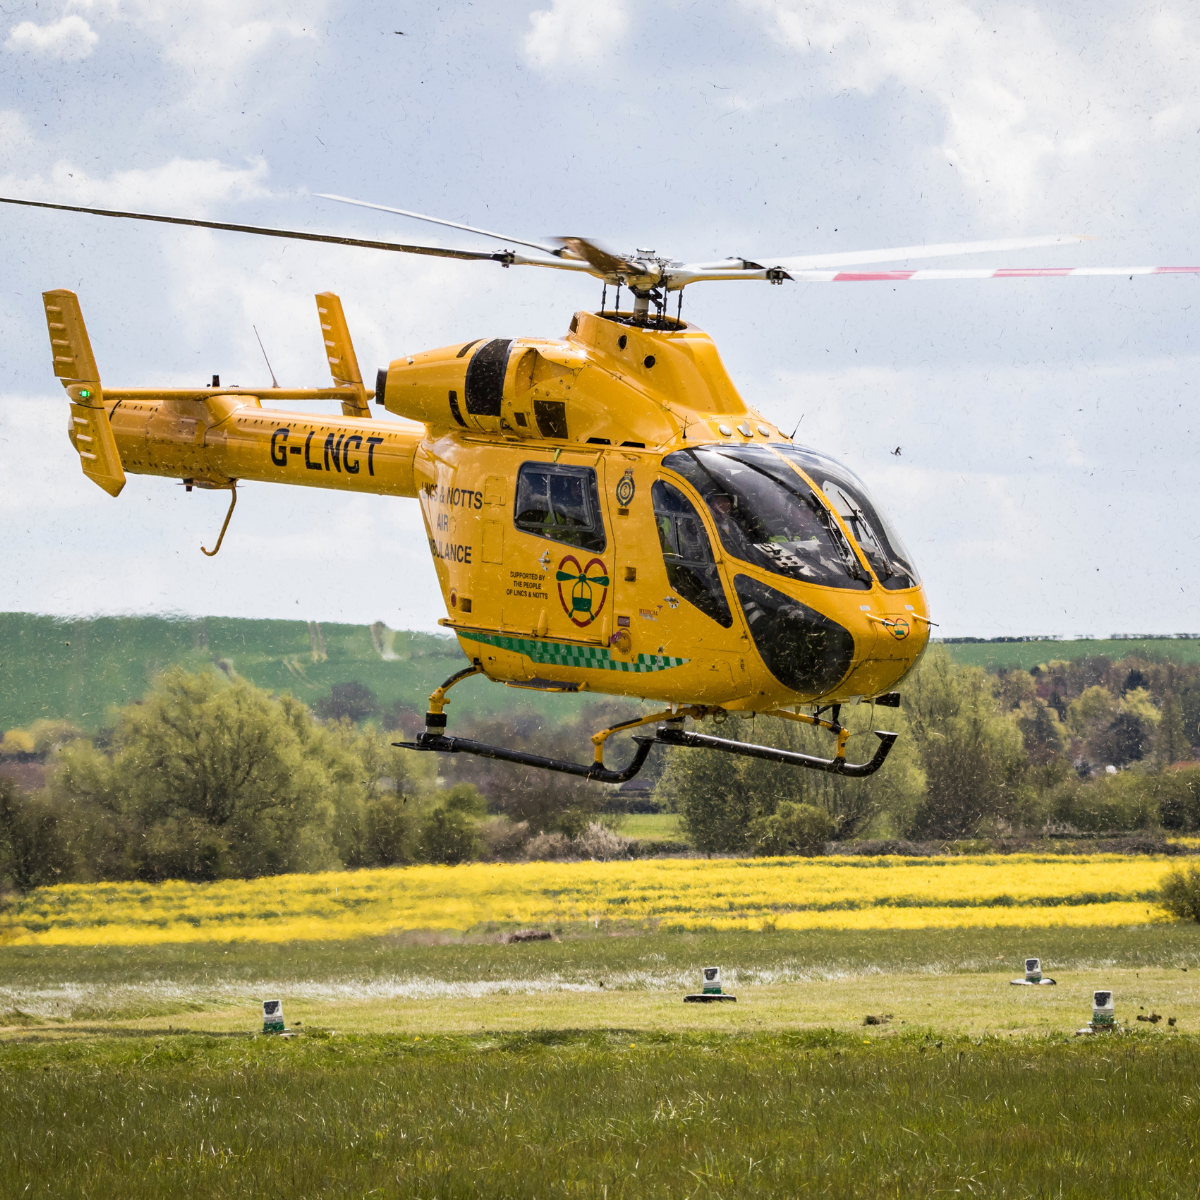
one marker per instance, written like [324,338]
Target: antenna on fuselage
[274,381]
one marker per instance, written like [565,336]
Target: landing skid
[670,732]
[596,771]
[831,766]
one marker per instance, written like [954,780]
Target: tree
[448,836]
[1091,712]
[972,754]
[391,833]
[545,800]
[1171,742]
[34,850]
[1177,794]
[16,743]
[49,736]
[792,829]
[351,701]
[1045,742]
[706,789]
[209,778]
[892,794]
[1013,687]
[1180,893]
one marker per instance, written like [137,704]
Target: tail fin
[339,349]
[90,431]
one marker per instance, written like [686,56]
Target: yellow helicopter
[604,510]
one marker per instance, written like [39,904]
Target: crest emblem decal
[626,488]
[899,628]
[582,591]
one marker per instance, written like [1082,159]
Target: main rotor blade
[434,251]
[980,273]
[403,212]
[808,262]
[605,262]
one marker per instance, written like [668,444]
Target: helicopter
[604,511]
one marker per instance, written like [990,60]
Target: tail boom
[210,437]
[214,440]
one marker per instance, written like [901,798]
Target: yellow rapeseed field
[788,893]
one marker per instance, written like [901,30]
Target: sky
[1046,481]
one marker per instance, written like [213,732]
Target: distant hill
[77,670]
[1030,653]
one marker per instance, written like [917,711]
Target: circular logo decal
[582,590]
[899,629]
[626,488]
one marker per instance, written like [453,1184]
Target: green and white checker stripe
[562,654]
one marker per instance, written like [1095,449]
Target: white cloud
[574,32]
[1030,497]
[69,39]
[182,186]
[15,135]
[1034,109]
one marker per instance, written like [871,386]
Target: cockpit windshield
[767,515]
[847,494]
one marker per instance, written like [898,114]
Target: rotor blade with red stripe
[980,273]
[853,258]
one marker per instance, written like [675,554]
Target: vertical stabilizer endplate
[339,350]
[69,343]
[90,431]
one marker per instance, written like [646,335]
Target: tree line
[207,778]
[1083,746]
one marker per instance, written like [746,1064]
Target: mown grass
[611,1114]
[655,827]
[955,981]
[583,954]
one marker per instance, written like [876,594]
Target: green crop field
[1027,655]
[573,1068]
[76,670]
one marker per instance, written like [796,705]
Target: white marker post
[1104,1014]
[1104,1017]
[272,1016]
[1033,974]
[710,983]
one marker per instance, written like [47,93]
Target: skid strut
[669,733]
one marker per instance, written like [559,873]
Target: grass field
[953,979]
[476,1068]
[75,670]
[604,1115]
[1031,654]
[656,827]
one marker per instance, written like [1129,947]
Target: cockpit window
[560,502]
[691,568]
[847,494]
[766,514]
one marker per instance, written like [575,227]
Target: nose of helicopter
[830,645]
[890,635]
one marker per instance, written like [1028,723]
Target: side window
[691,570]
[561,503]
